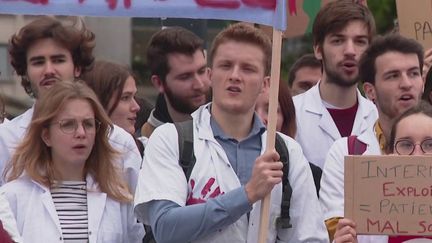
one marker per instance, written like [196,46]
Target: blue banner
[267,12]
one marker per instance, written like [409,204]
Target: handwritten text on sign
[415,20]
[389,195]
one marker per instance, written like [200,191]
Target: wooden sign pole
[271,126]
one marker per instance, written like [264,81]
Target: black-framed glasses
[406,146]
[69,126]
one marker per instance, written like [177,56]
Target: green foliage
[384,12]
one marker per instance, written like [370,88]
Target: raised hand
[345,231]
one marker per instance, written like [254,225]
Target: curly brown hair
[75,37]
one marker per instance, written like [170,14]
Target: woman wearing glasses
[62,181]
[411,134]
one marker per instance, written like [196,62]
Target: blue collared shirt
[241,154]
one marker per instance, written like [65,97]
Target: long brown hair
[107,79]
[33,156]
[286,104]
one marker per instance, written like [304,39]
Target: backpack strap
[186,161]
[284,220]
[355,146]
[186,151]
[148,237]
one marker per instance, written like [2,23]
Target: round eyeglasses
[70,126]
[406,147]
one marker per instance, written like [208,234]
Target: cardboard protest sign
[415,20]
[389,195]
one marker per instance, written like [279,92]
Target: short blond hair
[242,32]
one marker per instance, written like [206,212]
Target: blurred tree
[384,12]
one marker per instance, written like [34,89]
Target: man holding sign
[221,200]
[392,71]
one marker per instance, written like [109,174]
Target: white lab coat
[332,180]
[12,133]
[161,178]
[108,220]
[8,220]
[316,130]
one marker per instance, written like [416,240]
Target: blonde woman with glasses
[63,184]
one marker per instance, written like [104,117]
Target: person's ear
[266,84]
[318,52]
[370,91]
[157,83]
[210,73]
[45,135]
[77,72]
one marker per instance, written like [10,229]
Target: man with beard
[334,107]
[391,69]
[179,72]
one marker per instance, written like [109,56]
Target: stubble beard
[180,104]
[336,78]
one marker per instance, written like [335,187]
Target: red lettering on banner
[112,4]
[234,4]
[38,1]
[43,2]
[266,4]
[231,4]
[292,6]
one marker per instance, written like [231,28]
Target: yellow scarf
[380,136]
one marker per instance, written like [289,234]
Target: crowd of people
[82,165]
